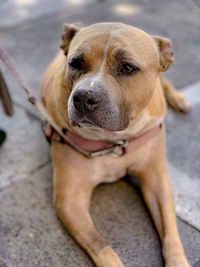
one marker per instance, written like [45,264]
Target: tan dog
[108,86]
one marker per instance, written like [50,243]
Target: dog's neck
[95,148]
[134,129]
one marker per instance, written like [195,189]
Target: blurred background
[30,235]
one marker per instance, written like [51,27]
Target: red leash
[4,57]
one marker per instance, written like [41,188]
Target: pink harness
[94,148]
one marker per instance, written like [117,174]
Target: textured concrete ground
[30,234]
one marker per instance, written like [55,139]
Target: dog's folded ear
[166,54]
[69,32]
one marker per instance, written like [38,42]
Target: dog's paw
[108,258]
[179,102]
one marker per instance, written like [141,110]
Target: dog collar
[93,148]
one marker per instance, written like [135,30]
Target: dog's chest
[108,169]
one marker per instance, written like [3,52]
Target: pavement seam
[193,92]
[39,167]
[188,223]
[22,176]
[180,183]
[196,3]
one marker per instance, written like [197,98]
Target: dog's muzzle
[95,107]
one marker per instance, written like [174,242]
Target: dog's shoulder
[50,73]
[52,84]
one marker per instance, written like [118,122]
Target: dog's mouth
[103,120]
[84,121]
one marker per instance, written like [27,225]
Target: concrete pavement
[30,234]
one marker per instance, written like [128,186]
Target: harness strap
[99,148]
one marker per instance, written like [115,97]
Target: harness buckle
[119,148]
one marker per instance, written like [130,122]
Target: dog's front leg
[156,188]
[73,187]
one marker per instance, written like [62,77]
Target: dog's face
[111,73]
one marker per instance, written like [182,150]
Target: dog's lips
[104,117]
[92,120]
[86,122]
[81,122]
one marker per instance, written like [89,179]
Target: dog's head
[111,73]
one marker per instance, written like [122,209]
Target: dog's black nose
[86,100]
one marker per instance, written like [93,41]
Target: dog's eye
[128,69]
[77,64]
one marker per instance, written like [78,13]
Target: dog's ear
[165,52]
[69,32]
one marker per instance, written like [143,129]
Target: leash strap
[5,59]
[5,96]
